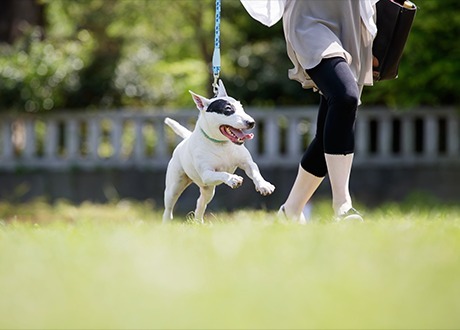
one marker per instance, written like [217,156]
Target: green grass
[116,267]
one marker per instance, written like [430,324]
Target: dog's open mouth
[235,135]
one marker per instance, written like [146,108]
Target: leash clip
[215,85]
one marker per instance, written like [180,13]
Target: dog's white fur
[208,158]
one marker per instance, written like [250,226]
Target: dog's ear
[221,92]
[200,101]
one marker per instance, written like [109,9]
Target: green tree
[149,53]
[430,69]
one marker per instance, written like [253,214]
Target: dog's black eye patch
[221,107]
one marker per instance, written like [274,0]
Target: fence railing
[117,139]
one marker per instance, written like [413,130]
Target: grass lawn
[116,266]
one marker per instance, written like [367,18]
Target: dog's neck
[212,139]
[202,125]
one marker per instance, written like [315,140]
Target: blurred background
[85,86]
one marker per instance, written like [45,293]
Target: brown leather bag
[394,22]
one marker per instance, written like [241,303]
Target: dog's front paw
[234,181]
[265,188]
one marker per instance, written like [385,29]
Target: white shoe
[282,215]
[350,215]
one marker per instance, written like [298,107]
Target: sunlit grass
[116,266]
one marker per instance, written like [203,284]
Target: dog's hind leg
[176,182]
[206,195]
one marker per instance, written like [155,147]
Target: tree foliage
[430,70]
[148,53]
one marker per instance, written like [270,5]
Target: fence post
[160,150]
[51,139]
[116,136]
[271,137]
[407,137]
[293,138]
[139,145]
[384,139]
[29,147]
[430,137]
[94,131]
[362,136]
[453,137]
[71,138]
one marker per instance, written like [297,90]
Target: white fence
[118,139]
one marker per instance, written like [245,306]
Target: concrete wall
[369,186]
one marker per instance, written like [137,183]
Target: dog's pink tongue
[236,135]
[248,136]
[243,136]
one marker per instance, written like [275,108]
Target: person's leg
[339,167]
[313,160]
[304,186]
[311,172]
[338,85]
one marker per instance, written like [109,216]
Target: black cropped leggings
[336,115]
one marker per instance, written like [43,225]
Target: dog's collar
[212,139]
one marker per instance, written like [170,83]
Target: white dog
[210,154]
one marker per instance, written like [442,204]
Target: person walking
[330,45]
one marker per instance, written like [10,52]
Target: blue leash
[216,54]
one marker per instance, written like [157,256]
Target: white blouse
[322,29]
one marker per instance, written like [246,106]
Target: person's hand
[375,62]
[375,65]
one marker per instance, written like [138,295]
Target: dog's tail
[178,128]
